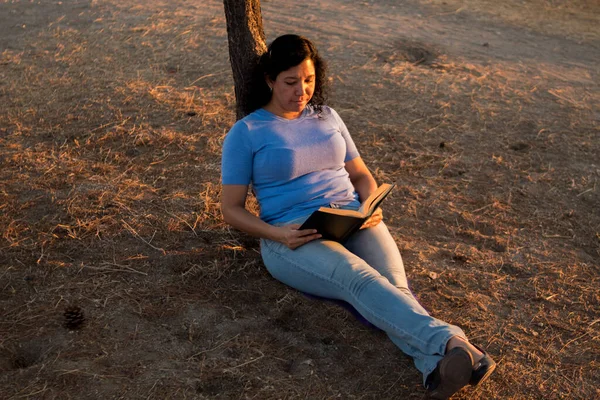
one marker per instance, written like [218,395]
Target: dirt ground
[112,114]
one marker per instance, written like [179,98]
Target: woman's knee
[327,268]
[378,248]
[310,268]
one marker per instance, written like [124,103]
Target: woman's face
[293,88]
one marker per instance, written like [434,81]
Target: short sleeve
[351,150]
[237,157]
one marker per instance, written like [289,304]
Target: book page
[374,199]
[338,211]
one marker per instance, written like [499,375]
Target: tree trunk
[246,44]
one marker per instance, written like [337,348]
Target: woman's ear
[269,82]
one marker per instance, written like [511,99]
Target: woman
[298,155]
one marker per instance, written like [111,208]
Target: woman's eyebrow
[296,77]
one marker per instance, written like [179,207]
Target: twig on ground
[120,268]
[42,390]
[247,362]
[573,340]
[182,220]
[208,76]
[80,372]
[586,191]
[151,389]
[214,348]
[556,236]
[134,233]
[483,208]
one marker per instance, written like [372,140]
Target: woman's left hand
[373,220]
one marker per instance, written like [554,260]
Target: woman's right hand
[293,238]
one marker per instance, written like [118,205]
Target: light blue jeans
[367,272]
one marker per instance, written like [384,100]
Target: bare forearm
[233,199]
[242,219]
[289,235]
[364,186]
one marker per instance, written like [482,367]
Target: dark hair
[283,53]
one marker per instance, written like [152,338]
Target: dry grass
[576,19]
[110,131]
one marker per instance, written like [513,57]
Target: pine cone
[74,317]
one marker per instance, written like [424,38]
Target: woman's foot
[452,373]
[483,365]
[457,341]
[482,369]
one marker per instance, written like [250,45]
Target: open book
[338,225]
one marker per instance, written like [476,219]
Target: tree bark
[246,44]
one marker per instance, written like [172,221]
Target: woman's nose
[301,89]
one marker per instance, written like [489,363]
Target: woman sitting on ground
[298,155]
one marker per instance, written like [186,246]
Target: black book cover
[333,226]
[338,224]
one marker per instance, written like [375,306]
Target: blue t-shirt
[295,166]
